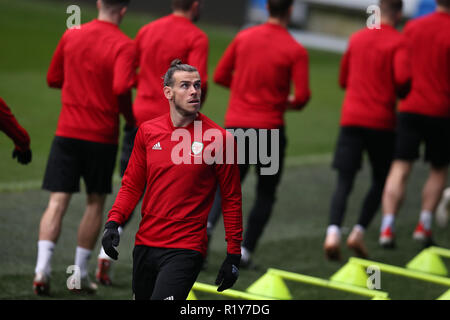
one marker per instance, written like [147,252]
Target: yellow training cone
[428,262]
[191,296]
[270,285]
[380,298]
[445,296]
[351,273]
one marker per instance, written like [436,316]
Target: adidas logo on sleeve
[157,146]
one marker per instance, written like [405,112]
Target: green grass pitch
[293,239]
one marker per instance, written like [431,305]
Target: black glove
[229,272]
[111,239]
[23,157]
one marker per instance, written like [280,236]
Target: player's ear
[99,4]
[195,6]
[123,11]
[168,93]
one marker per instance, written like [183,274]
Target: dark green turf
[292,241]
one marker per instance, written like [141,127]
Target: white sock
[332,228]
[102,254]
[359,228]
[82,256]
[426,217]
[44,257]
[388,221]
[245,254]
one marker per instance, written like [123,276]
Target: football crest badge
[197,148]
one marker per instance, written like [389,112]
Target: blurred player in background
[424,117]
[372,81]
[171,240]
[259,67]
[443,209]
[158,44]
[95,68]
[20,137]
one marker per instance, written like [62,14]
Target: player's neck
[184,14]
[443,9]
[278,21]
[179,120]
[114,19]
[389,22]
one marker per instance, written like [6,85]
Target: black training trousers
[348,159]
[164,273]
[265,194]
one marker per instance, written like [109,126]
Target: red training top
[93,65]
[258,67]
[158,44]
[10,126]
[372,70]
[178,197]
[428,40]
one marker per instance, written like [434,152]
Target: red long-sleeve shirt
[158,44]
[373,69]
[259,66]
[178,197]
[428,40]
[94,66]
[10,126]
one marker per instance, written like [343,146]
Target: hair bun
[176,62]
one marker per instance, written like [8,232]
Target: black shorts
[413,129]
[353,141]
[71,159]
[164,273]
